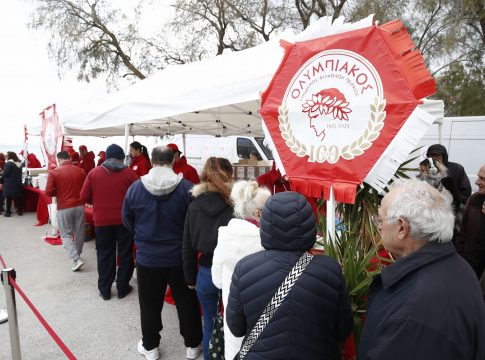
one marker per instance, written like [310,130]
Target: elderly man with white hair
[428,304]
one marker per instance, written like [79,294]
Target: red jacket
[105,188]
[140,165]
[65,183]
[101,161]
[187,171]
[33,162]
[87,162]
[273,181]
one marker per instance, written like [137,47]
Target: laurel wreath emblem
[287,134]
[348,152]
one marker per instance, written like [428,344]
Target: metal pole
[127,140]
[331,217]
[12,313]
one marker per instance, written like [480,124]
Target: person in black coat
[457,183]
[210,209]
[428,304]
[12,183]
[471,240]
[316,315]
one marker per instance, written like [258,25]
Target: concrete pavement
[90,327]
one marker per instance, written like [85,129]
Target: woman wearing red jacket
[140,161]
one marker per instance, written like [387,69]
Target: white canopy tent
[219,96]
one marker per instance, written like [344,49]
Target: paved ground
[90,327]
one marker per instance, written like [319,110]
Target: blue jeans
[208,295]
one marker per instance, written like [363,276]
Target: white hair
[429,214]
[248,197]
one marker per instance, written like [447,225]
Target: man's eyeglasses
[377,221]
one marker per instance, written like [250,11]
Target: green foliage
[357,243]
[462,90]
[355,260]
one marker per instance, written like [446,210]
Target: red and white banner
[336,103]
[51,134]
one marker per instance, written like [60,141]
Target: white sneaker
[193,353]
[153,354]
[77,264]
[3,315]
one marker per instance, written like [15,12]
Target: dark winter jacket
[427,305]
[154,209]
[471,240]
[316,315]
[207,212]
[12,179]
[460,182]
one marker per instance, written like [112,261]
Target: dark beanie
[115,151]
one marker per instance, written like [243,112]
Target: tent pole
[331,217]
[440,132]
[127,135]
[183,143]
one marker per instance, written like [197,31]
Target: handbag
[275,302]
[216,342]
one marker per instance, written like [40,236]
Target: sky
[29,81]
[28,78]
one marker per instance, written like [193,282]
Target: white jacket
[236,240]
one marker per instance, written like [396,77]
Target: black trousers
[152,284]
[107,239]
[19,203]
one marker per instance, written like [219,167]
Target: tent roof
[218,96]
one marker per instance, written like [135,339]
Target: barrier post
[12,312]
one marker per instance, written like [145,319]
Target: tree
[206,19]
[263,17]
[90,35]
[309,10]
[96,39]
[462,90]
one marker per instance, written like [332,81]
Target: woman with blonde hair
[210,209]
[236,240]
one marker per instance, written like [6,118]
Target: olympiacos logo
[333,108]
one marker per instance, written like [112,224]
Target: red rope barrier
[44,323]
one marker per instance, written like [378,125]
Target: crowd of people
[248,243]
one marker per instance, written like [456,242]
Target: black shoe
[20,212]
[123,295]
[105,297]
[7,214]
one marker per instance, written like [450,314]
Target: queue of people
[209,237]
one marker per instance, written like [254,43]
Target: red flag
[336,102]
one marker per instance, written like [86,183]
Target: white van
[464,138]
[198,148]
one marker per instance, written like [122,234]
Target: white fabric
[161,180]
[404,142]
[236,240]
[217,96]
